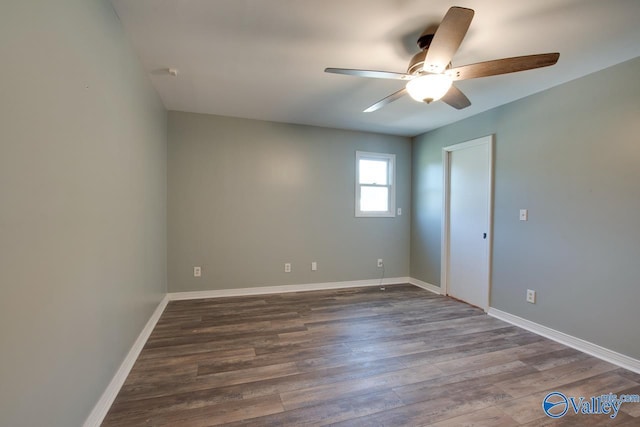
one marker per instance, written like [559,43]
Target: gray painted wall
[570,155]
[82,207]
[246,196]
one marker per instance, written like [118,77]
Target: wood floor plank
[433,388]
[335,375]
[526,409]
[213,415]
[571,420]
[358,356]
[138,412]
[489,417]
[631,408]
[326,392]
[331,411]
[297,355]
[496,357]
[249,375]
[555,377]
[433,410]
[224,356]
[633,376]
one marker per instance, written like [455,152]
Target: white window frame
[391,183]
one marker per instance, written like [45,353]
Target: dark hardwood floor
[355,357]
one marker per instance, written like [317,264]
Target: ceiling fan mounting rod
[424,41]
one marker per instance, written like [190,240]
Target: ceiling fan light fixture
[430,74]
[429,87]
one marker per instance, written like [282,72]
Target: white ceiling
[264,59]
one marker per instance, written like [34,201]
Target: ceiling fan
[430,75]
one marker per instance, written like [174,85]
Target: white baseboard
[427,286]
[106,400]
[263,290]
[569,340]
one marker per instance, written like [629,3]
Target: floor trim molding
[264,290]
[569,340]
[96,417]
[424,285]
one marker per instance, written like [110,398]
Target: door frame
[446,200]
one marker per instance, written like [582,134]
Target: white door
[469,211]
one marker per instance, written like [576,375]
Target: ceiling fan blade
[447,39]
[456,98]
[370,73]
[503,66]
[388,100]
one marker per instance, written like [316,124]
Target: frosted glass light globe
[429,87]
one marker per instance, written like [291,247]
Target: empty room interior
[205,221]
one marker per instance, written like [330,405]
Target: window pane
[374,199]
[373,172]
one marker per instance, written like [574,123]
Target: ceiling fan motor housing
[416,63]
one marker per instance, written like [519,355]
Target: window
[375,186]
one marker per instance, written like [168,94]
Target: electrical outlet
[287,268]
[531,296]
[380,263]
[314,266]
[197,272]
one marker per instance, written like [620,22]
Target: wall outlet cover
[531,296]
